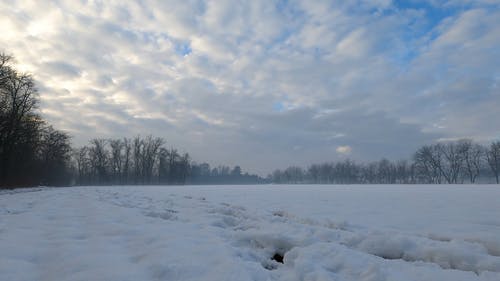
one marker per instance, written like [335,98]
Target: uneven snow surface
[372,233]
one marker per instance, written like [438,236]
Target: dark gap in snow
[279,214]
[438,238]
[277,257]
[273,262]
[390,257]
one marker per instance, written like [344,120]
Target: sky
[264,84]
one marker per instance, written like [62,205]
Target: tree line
[32,152]
[203,174]
[454,162]
[129,161]
[146,161]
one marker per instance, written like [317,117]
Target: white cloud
[344,149]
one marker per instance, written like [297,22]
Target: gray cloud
[63,69]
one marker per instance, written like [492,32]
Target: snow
[232,232]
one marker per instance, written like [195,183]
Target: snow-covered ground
[232,233]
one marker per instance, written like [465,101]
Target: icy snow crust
[232,232]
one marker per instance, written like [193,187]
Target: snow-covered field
[232,233]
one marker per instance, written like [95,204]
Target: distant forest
[145,161]
[457,162]
[33,153]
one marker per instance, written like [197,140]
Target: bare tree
[328,173]
[145,153]
[453,160]
[473,156]
[20,126]
[346,172]
[55,153]
[82,160]
[5,69]
[493,158]
[428,163]
[314,173]
[99,160]
[127,150]
[172,160]
[386,172]
[116,160]
[293,174]
[149,155]
[184,169]
[403,173]
[137,151]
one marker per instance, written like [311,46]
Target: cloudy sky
[264,84]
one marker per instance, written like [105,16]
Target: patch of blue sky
[295,19]
[183,48]
[420,31]
[282,4]
[289,9]
[434,13]
[278,107]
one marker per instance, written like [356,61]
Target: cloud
[263,83]
[344,149]
[63,69]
